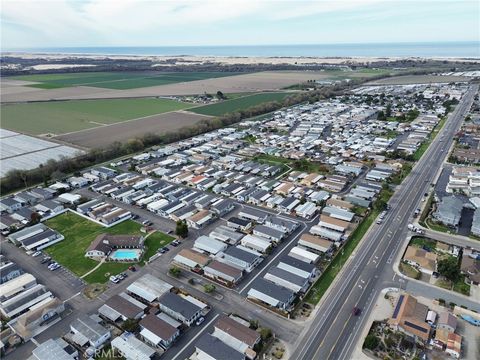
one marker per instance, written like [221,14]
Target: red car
[356,311]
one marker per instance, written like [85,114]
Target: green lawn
[154,242]
[422,242]
[409,270]
[80,232]
[102,274]
[437,227]
[272,159]
[116,80]
[461,287]
[60,117]
[240,103]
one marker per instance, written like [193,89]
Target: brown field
[268,80]
[104,135]
[418,79]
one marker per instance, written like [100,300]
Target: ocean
[427,49]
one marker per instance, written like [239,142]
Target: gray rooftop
[179,305]
[88,328]
[273,290]
[217,349]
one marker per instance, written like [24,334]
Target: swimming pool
[126,254]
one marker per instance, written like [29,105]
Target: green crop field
[240,103]
[80,232]
[116,80]
[61,117]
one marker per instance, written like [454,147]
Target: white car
[200,321]
[35,254]
[114,279]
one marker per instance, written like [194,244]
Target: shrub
[371,342]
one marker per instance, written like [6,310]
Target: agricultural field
[238,103]
[101,136]
[80,232]
[59,117]
[243,83]
[115,80]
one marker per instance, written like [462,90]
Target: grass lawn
[240,103]
[60,117]
[437,227]
[422,242]
[80,232]
[461,287]
[272,159]
[102,274]
[409,270]
[116,80]
[154,242]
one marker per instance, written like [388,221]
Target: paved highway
[334,330]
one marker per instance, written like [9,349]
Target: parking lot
[61,282]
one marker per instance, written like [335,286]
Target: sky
[96,23]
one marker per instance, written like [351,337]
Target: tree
[35,218]
[449,268]
[253,324]
[220,95]
[130,325]
[175,271]
[381,116]
[209,288]
[265,333]
[371,342]
[388,110]
[181,229]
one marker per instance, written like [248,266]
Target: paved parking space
[61,282]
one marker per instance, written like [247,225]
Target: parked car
[37,253]
[165,249]
[200,321]
[132,268]
[114,279]
[175,243]
[147,223]
[46,259]
[54,267]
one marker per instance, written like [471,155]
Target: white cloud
[161,22]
